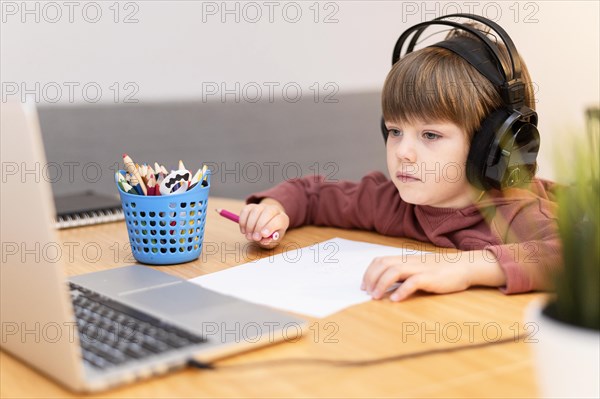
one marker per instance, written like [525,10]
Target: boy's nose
[405,151]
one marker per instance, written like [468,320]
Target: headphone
[504,150]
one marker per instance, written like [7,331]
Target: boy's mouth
[406,178]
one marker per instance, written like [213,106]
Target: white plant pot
[567,358]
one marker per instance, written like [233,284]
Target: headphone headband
[513,54]
[509,82]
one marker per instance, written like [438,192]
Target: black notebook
[85,208]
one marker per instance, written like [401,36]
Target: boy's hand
[431,273]
[259,221]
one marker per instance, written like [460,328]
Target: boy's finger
[408,287]
[268,215]
[374,271]
[244,217]
[275,224]
[252,219]
[386,280]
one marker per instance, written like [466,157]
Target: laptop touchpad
[120,280]
[201,310]
[174,300]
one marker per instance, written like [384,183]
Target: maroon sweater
[518,226]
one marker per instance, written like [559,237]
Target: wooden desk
[372,330]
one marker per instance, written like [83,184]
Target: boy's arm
[528,266]
[485,270]
[313,200]
[530,255]
[532,252]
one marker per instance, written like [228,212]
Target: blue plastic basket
[166,229]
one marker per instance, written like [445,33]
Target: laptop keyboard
[112,334]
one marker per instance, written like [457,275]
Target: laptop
[102,329]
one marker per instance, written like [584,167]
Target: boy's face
[426,161]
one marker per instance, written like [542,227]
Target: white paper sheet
[317,281]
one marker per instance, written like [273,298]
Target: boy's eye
[431,136]
[394,133]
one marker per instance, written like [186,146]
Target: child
[433,103]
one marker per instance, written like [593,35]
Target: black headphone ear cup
[480,149]
[384,130]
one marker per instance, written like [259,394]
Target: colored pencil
[196,178]
[130,166]
[127,188]
[152,184]
[135,183]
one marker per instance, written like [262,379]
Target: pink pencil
[235,218]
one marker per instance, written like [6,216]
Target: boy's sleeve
[312,200]
[532,253]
